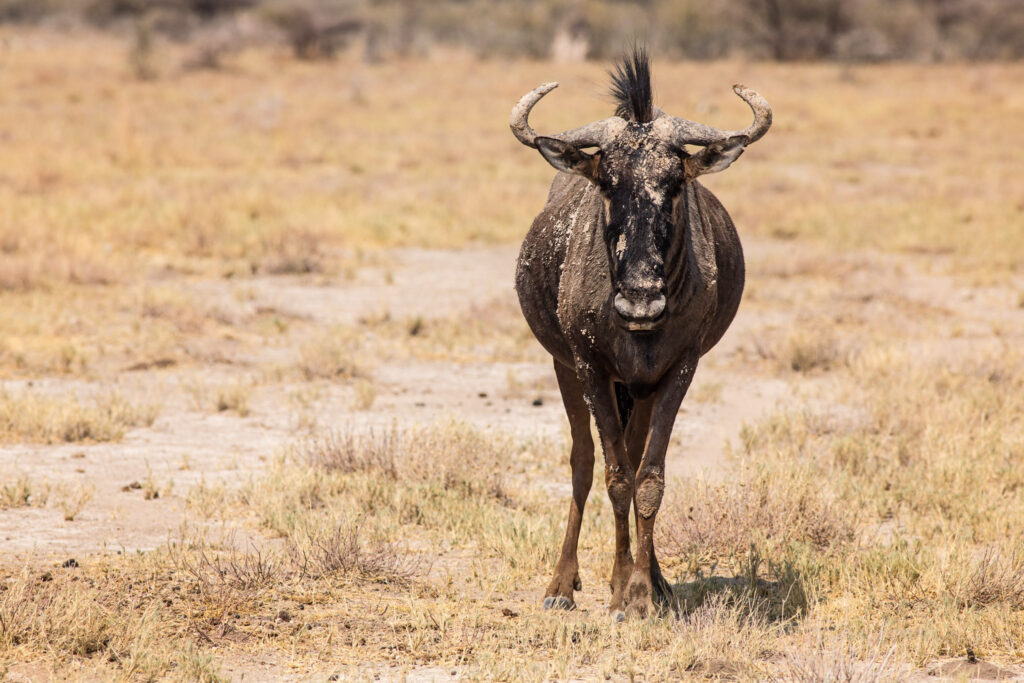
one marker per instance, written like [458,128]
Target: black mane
[631,87]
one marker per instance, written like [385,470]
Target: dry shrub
[29,417]
[342,552]
[452,455]
[95,618]
[236,571]
[457,456]
[990,578]
[23,493]
[837,661]
[72,498]
[346,451]
[234,396]
[725,520]
[333,354]
[295,252]
[312,31]
[804,350]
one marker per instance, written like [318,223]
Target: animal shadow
[781,599]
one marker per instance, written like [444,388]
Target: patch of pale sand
[186,446]
[416,282]
[966,670]
[179,451]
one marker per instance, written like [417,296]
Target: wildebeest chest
[565,281]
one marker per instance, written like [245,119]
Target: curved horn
[517,120]
[684,131]
[590,135]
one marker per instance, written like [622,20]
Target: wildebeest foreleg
[636,440]
[618,477]
[650,483]
[581,458]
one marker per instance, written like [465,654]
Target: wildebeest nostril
[656,307]
[622,305]
[642,310]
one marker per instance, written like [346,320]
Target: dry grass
[813,348]
[35,417]
[20,491]
[359,571]
[709,524]
[926,465]
[72,498]
[492,331]
[234,396]
[888,510]
[408,547]
[251,170]
[332,354]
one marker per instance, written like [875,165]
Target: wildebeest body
[563,245]
[631,272]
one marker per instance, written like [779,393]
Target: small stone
[537,402]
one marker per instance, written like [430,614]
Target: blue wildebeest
[631,272]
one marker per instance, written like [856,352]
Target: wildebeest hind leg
[567,576]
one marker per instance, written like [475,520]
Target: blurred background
[784,30]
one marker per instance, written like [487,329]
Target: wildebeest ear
[566,157]
[715,157]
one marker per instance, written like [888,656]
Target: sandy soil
[789,288]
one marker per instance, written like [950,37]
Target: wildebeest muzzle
[640,310]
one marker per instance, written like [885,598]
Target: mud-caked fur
[631,272]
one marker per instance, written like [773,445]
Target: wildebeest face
[640,177]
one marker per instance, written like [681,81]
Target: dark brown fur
[631,222]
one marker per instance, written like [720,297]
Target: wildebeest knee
[620,492]
[649,492]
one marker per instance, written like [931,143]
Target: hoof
[639,609]
[558,602]
[618,616]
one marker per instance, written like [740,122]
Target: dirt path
[188,445]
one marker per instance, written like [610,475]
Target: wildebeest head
[640,167]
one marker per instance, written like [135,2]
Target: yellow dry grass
[893,519]
[28,416]
[277,166]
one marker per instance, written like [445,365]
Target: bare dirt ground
[186,445]
[804,310]
[791,288]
